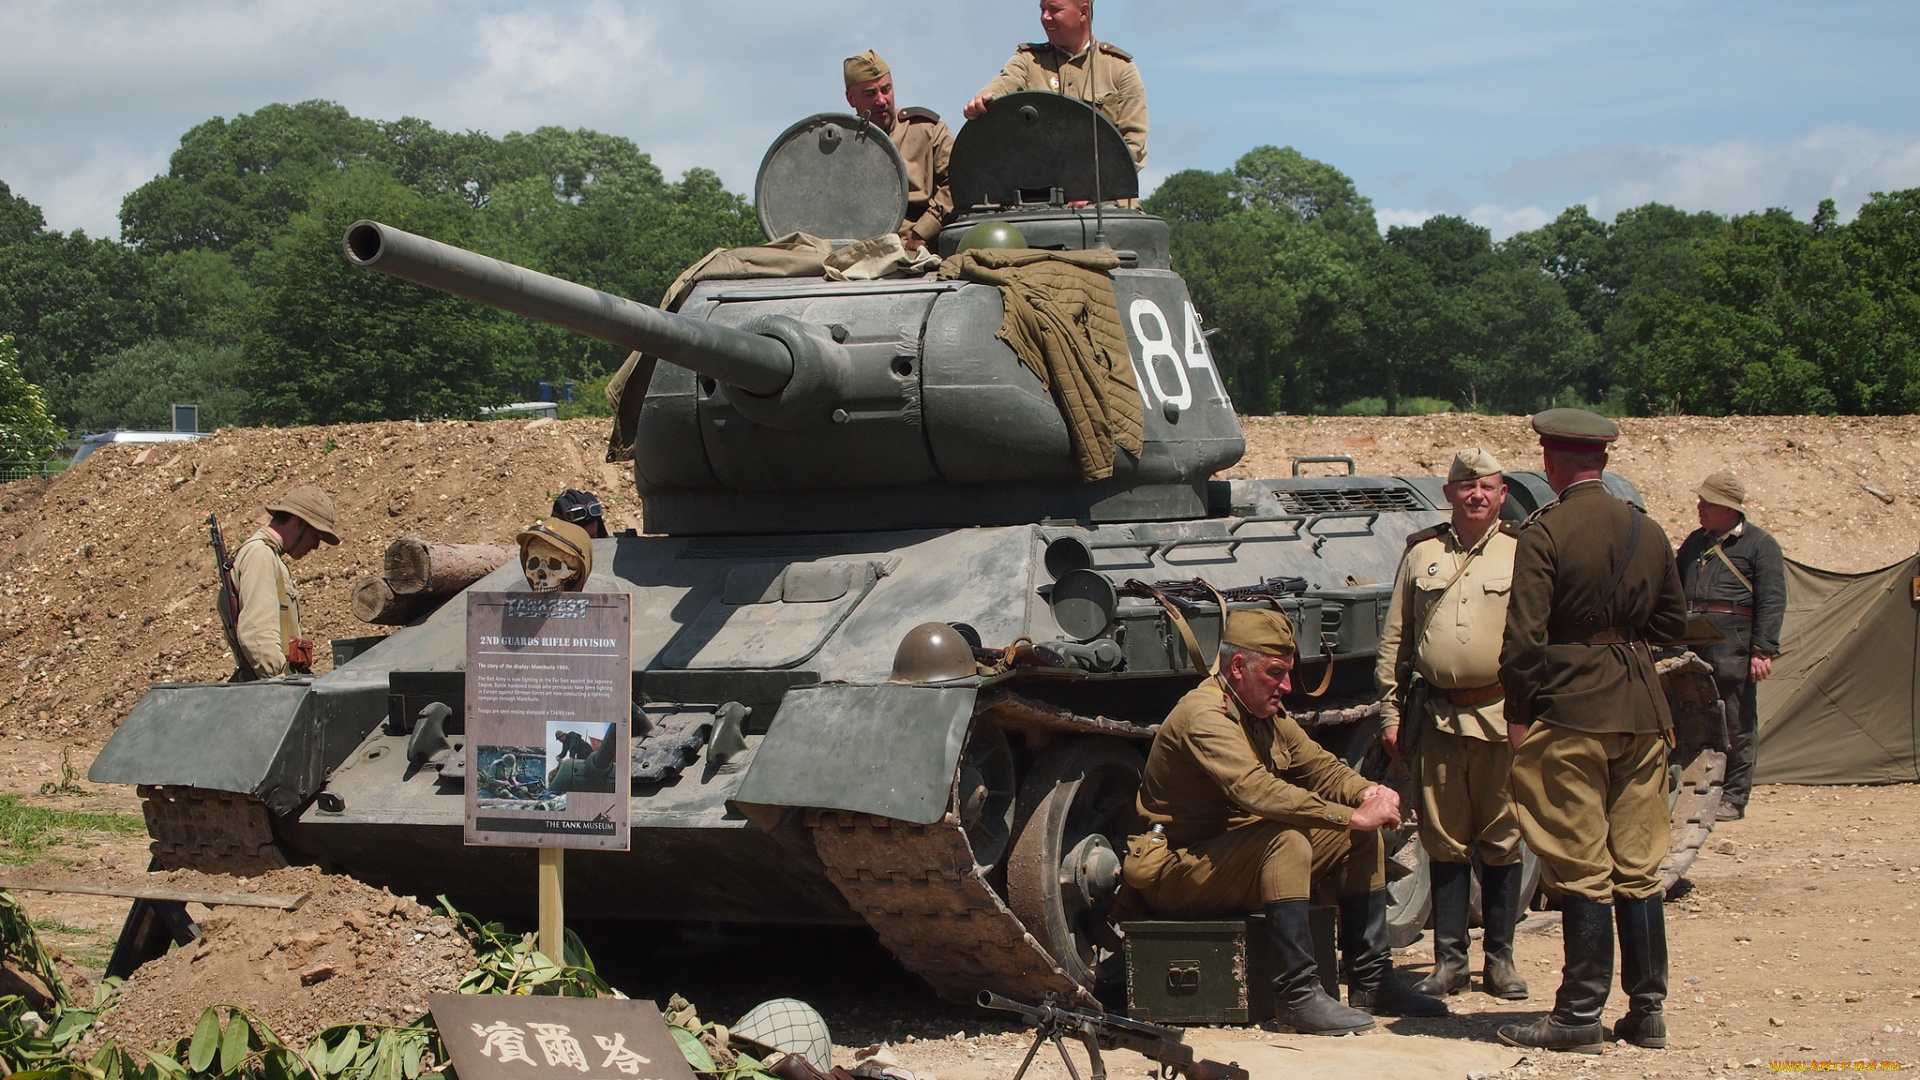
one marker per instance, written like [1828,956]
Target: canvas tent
[1840,706]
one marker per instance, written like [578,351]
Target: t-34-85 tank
[848,485]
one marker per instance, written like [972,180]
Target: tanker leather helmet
[932,652]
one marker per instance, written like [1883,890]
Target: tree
[27,430]
[137,387]
[339,344]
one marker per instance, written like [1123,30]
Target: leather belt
[1478,695]
[1716,607]
[1595,635]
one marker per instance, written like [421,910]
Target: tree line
[1657,311]
[227,287]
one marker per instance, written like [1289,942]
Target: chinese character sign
[549,703]
[495,1037]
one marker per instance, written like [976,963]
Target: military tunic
[1750,613]
[926,144]
[1590,776]
[1253,810]
[1457,598]
[1115,88]
[269,605]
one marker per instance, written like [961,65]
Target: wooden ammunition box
[1213,972]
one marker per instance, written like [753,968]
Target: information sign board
[549,704]
[527,1037]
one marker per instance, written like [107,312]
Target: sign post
[549,703]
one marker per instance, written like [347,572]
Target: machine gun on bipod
[1099,1031]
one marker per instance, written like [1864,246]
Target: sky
[1501,111]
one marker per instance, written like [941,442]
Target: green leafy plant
[509,964]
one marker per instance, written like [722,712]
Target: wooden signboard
[513,1037]
[549,704]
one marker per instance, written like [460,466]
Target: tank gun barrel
[753,362]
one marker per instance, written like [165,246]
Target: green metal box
[1213,972]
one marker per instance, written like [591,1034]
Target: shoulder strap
[1114,50]
[1719,550]
[1192,643]
[915,112]
[1620,571]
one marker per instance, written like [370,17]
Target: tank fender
[275,739]
[889,750]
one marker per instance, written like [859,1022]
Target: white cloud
[1842,162]
[1501,221]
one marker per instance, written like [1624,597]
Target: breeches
[1244,869]
[1594,809]
[1466,807]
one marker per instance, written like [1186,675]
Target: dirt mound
[107,583]
[349,953]
[1836,491]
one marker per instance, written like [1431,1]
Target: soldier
[1440,655]
[1247,813]
[1071,62]
[922,139]
[1593,582]
[1733,573]
[267,631]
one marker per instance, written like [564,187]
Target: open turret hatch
[833,176]
[1035,147]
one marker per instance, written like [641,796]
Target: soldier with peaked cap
[1247,813]
[1593,583]
[920,135]
[267,636]
[1440,656]
[1073,63]
[1734,574]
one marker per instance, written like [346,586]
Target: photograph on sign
[549,706]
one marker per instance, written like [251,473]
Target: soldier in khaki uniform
[922,138]
[1071,62]
[1440,656]
[267,637]
[1594,582]
[1247,813]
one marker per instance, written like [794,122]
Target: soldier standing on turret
[1071,62]
[1593,583]
[920,135]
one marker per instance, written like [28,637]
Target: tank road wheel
[1078,807]
[215,832]
[985,792]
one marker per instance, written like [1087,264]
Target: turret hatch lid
[833,176]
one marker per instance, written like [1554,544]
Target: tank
[899,660]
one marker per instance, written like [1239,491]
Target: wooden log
[414,565]
[265,900]
[374,602]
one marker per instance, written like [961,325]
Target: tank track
[214,832]
[1695,811]
[917,886]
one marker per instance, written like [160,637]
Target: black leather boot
[1372,984]
[1587,929]
[1303,1004]
[1452,888]
[1643,971]
[1499,911]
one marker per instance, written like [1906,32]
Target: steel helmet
[788,1025]
[932,652]
[993,234]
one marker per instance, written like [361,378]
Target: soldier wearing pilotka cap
[1734,575]
[924,142]
[1593,583]
[1247,813]
[1439,677]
